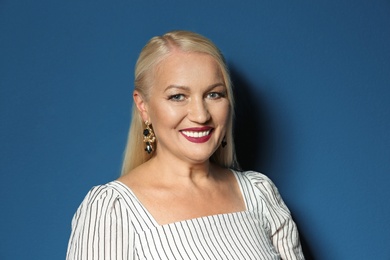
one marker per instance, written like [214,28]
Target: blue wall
[313,87]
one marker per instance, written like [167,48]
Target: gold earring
[149,137]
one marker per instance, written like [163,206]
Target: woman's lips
[197,134]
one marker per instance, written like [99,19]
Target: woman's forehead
[185,69]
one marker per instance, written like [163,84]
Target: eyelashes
[176,97]
[216,95]
[211,95]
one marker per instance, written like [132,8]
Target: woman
[178,197]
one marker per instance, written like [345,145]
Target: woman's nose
[198,111]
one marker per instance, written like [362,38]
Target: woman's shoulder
[105,195]
[253,177]
[102,214]
[262,186]
[110,199]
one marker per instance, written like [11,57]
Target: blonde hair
[151,55]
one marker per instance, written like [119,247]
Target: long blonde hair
[154,52]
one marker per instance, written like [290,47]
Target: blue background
[313,89]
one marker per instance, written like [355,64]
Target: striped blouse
[111,223]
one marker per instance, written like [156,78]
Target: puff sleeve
[101,228]
[278,221]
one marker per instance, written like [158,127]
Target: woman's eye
[176,97]
[215,95]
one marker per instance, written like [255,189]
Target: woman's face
[188,107]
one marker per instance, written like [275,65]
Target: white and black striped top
[111,223]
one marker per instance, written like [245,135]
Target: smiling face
[187,106]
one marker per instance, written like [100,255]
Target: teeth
[196,134]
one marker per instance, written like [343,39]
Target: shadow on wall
[251,128]
[253,133]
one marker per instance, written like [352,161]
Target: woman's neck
[179,170]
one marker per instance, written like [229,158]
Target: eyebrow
[176,86]
[185,88]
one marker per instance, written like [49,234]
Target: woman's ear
[141,104]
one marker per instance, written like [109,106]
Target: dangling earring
[224,143]
[149,137]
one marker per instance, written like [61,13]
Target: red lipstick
[197,134]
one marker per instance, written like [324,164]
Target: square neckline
[157,224]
